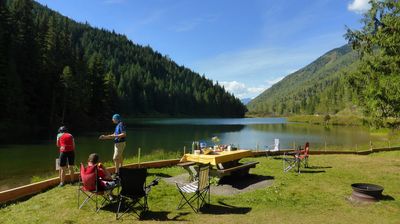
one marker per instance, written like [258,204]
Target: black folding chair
[133,195]
[200,188]
[89,187]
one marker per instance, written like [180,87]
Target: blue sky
[245,45]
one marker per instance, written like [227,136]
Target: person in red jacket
[106,182]
[66,144]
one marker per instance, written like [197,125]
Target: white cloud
[237,88]
[270,82]
[359,6]
[241,90]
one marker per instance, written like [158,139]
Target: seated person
[106,181]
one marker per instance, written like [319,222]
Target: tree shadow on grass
[147,215]
[223,208]
[243,182]
[162,216]
[319,167]
[312,171]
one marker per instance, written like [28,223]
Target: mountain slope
[318,88]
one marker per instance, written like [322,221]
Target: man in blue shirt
[119,136]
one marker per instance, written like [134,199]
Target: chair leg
[288,164]
[119,207]
[306,162]
[78,197]
[188,201]
[298,163]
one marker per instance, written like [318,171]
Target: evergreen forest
[56,71]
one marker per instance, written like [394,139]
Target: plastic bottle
[193,147]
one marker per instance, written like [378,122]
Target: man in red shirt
[65,141]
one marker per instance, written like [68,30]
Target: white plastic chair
[274,147]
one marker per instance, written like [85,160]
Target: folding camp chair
[296,159]
[200,188]
[133,190]
[89,185]
[290,161]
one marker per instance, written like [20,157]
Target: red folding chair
[296,159]
[89,186]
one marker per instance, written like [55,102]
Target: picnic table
[223,163]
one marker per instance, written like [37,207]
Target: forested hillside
[319,88]
[54,70]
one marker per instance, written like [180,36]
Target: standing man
[119,141]
[66,143]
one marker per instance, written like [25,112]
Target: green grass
[318,195]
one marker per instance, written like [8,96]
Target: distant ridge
[245,100]
[318,88]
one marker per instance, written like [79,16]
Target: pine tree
[377,79]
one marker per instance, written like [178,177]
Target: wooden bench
[239,170]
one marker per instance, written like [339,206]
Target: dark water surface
[18,163]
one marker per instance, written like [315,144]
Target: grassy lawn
[317,195]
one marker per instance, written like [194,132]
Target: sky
[244,45]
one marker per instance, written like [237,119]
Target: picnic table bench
[240,169]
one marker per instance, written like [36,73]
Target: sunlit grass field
[317,195]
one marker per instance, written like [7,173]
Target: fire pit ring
[366,192]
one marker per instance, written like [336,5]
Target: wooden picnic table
[217,157]
[226,162]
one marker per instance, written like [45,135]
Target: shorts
[110,184]
[118,150]
[67,157]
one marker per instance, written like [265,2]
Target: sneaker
[61,184]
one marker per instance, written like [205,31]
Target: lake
[18,163]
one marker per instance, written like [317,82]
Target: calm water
[18,163]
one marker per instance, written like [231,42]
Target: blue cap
[116,117]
